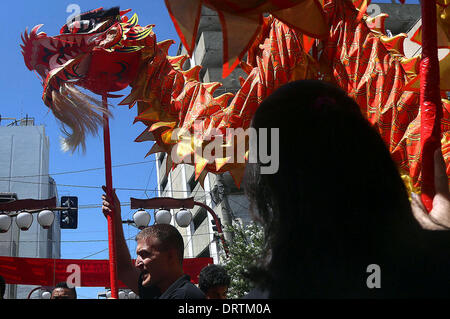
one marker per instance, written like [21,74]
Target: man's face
[152,261]
[217,292]
[62,293]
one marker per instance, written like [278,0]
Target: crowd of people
[336,206]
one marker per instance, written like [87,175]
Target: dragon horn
[192,74]
[177,61]
[124,12]
[165,45]
[212,87]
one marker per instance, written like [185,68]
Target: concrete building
[220,192]
[414,49]
[24,173]
[402,17]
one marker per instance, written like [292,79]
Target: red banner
[91,273]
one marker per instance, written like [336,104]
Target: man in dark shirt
[159,252]
[158,269]
[182,288]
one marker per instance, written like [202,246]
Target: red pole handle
[430,101]
[111,216]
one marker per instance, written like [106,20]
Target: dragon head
[100,51]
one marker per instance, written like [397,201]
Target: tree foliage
[244,252]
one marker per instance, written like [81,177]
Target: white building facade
[24,172]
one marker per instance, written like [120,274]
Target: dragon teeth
[55,42]
[79,40]
[68,41]
[53,63]
[46,43]
[67,58]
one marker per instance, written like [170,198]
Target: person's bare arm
[439,217]
[126,271]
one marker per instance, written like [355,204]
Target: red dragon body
[185,118]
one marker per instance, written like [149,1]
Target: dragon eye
[79,26]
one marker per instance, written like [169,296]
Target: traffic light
[69,217]
[214,226]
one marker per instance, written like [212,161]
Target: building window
[161,158]
[199,218]
[164,183]
[205,253]
[192,183]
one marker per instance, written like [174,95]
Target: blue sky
[21,95]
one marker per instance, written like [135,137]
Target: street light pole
[218,225]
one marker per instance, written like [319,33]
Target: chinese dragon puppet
[106,51]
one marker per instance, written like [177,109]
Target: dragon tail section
[373,70]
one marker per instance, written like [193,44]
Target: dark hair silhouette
[213,276]
[336,205]
[64,285]
[2,287]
